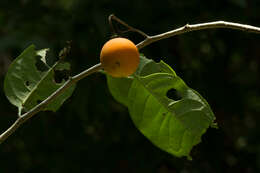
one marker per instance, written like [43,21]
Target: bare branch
[195,27]
[23,118]
[113,17]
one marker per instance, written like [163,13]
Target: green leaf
[175,126]
[30,80]
[119,87]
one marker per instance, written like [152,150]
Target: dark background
[92,132]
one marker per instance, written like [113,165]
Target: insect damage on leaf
[30,80]
[169,113]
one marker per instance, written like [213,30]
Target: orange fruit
[119,57]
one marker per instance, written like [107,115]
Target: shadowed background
[92,132]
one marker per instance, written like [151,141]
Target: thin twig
[112,28]
[113,17]
[23,118]
[195,27]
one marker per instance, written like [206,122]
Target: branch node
[187,26]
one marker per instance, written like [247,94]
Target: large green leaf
[30,80]
[174,126]
[119,87]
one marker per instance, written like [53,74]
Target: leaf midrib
[178,151]
[159,100]
[38,83]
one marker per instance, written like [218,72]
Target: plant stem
[195,27]
[23,118]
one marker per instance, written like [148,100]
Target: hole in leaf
[27,83]
[40,65]
[174,94]
[165,113]
[60,75]
[39,101]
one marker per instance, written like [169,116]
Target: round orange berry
[119,57]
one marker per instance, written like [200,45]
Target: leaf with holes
[174,126]
[30,80]
[119,87]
